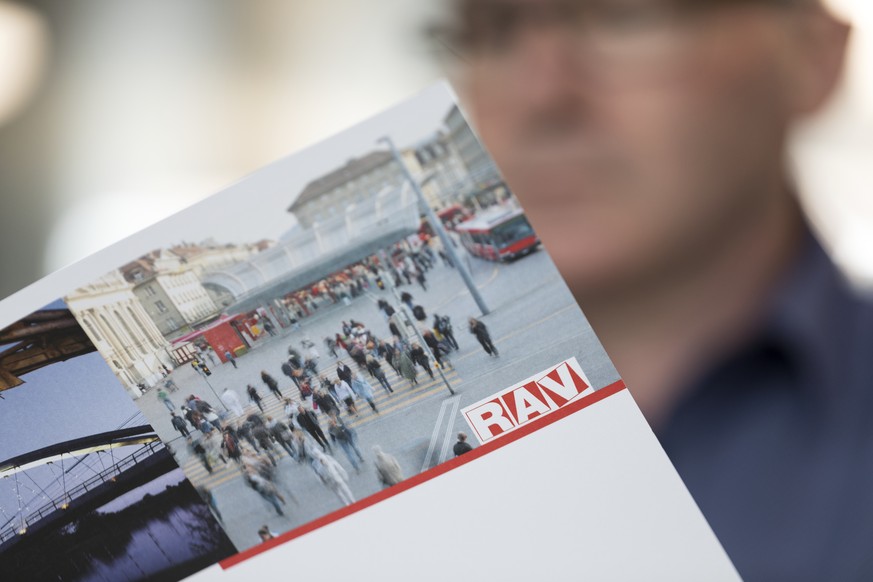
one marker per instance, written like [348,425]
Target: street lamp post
[437,227]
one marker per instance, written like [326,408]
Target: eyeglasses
[620,29]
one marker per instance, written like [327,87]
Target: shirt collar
[807,318]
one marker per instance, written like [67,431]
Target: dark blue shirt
[776,442]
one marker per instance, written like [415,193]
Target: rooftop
[354,168]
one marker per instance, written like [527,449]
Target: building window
[161,307]
[150,291]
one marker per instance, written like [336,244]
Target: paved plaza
[534,323]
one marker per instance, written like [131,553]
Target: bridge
[128,458]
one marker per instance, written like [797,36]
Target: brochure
[358,362]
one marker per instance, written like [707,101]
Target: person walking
[308,421]
[230,444]
[265,489]
[387,468]
[478,329]
[244,431]
[358,355]
[346,395]
[389,353]
[254,396]
[179,424]
[200,368]
[212,445]
[331,346]
[375,369]
[264,439]
[347,440]
[364,390]
[435,348]
[289,408]
[407,368]
[229,357]
[311,350]
[209,354]
[230,399]
[419,357]
[332,475]
[462,446]
[444,326]
[343,372]
[325,403]
[272,384]
[407,298]
[289,369]
[197,449]
[165,399]
[282,434]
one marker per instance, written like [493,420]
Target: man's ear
[816,58]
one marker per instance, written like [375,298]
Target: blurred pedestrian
[266,534]
[387,468]
[165,399]
[272,384]
[346,395]
[375,368]
[254,396]
[332,475]
[407,368]
[461,446]
[230,399]
[364,390]
[179,424]
[307,420]
[265,489]
[346,438]
[196,448]
[419,357]
[478,329]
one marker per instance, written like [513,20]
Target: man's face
[638,133]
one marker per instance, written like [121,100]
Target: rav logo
[528,400]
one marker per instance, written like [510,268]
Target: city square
[534,323]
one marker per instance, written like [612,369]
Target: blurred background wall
[116,114]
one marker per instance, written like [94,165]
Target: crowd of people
[318,403]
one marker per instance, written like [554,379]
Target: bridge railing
[106,475]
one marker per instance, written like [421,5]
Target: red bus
[500,235]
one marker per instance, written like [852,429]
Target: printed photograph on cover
[88,492]
[319,331]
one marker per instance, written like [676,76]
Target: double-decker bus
[498,235]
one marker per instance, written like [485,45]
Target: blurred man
[646,139]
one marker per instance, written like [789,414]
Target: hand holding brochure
[356,362]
